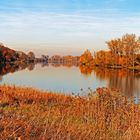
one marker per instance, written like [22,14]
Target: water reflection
[73,77]
[86,70]
[126,81]
[11,68]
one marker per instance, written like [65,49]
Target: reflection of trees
[56,64]
[68,64]
[121,79]
[0,78]
[11,68]
[44,64]
[31,66]
[7,69]
[87,70]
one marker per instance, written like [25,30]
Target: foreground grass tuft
[29,114]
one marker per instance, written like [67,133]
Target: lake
[72,79]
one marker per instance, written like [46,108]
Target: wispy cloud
[67,22]
[84,28]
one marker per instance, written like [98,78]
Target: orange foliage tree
[127,47]
[86,58]
[104,58]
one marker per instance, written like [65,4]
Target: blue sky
[66,26]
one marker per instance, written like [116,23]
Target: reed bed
[30,114]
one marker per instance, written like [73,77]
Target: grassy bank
[29,114]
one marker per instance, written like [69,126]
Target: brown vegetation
[123,53]
[29,114]
[8,55]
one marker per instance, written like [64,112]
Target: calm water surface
[72,79]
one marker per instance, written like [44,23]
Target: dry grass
[28,114]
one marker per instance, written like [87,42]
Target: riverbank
[135,68]
[27,113]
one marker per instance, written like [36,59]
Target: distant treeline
[57,59]
[123,52]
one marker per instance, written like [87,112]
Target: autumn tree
[131,45]
[86,58]
[128,45]
[31,56]
[104,58]
[100,58]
